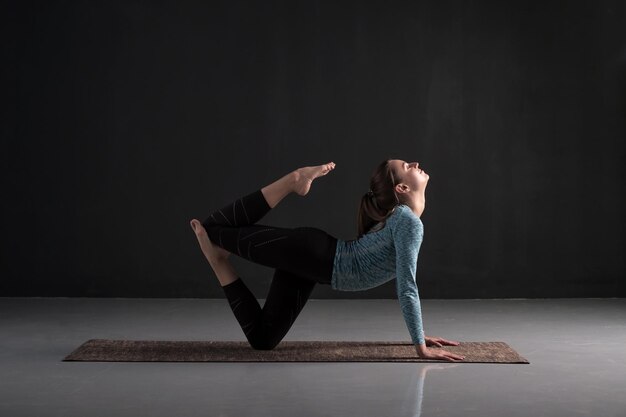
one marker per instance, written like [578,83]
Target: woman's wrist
[421,348]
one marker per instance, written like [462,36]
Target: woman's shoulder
[404,211]
[403,214]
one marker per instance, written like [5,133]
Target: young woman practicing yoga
[389,237]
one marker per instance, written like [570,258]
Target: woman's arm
[408,234]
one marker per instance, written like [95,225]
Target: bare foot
[305,176]
[212,252]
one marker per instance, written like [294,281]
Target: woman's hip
[307,251]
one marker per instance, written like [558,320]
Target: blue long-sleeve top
[381,255]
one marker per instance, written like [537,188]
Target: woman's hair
[378,203]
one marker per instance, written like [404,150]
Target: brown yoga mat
[104,350]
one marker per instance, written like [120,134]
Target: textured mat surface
[105,350]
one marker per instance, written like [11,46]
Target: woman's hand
[439,342]
[439,354]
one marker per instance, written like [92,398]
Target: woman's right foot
[304,176]
[211,251]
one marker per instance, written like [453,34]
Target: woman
[389,237]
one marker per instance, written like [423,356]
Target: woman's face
[410,174]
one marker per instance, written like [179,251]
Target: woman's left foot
[211,251]
[304,176]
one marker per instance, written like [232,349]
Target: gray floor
[577,350]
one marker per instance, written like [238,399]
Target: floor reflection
[415,392]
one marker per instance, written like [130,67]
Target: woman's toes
[196,226]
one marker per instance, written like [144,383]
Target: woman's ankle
[279,189]
[228,283]
[224,271]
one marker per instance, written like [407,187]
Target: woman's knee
[262,342]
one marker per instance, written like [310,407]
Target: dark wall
[126,119]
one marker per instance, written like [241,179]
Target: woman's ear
[402,188]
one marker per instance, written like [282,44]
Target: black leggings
[302,257]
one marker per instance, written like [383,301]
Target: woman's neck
[417,203]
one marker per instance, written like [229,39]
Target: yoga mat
[104,350]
